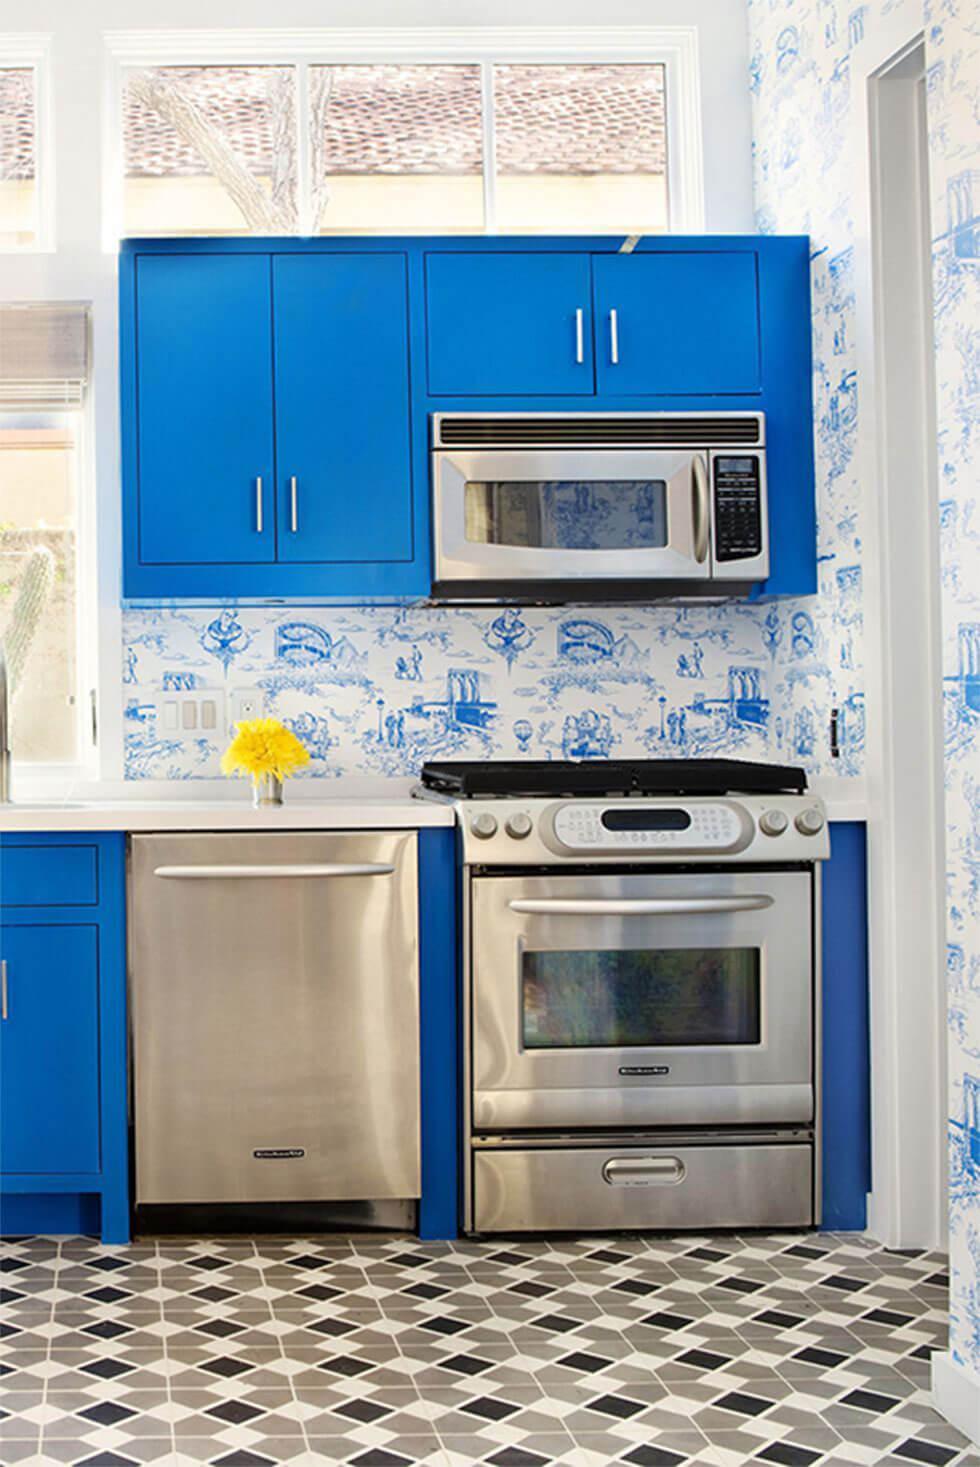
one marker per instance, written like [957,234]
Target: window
[19,199]
[38,583]
[313,142]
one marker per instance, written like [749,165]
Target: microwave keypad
[738,518]
[583,827]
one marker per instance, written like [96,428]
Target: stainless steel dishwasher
[274,1013]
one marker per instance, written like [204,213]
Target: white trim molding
[956,1394]
[673,47]
[33,49]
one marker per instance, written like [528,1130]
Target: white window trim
[33,50]
[673,47]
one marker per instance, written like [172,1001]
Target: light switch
[189,712]
[209,713]
[170,719]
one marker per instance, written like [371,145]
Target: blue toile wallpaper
[802,53]
[377,690]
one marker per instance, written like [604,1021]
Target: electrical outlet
[246,703]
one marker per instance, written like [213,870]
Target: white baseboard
[956,1394]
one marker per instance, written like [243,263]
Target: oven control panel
[629,826]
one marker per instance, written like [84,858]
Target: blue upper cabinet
[508,323]
[276,393]
[677,323]
[204,430]
[342,408]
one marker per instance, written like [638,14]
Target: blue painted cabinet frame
[715,323]
[64,1160]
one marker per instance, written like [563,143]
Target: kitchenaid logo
[278,1153]
[644,1069]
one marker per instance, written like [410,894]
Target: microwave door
[541,515]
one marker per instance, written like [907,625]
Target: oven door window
[567,514]
[659,998]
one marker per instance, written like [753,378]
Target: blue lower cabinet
[63,1092]
[439,1030]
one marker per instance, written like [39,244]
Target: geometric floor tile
[793,1349]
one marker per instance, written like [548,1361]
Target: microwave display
[567,514]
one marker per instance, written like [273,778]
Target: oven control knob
[484,825]
[810,822]
[773,822]
[519,825]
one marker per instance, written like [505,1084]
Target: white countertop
[347,804]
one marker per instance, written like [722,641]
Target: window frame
[40,774]
[31,51]
[675,48]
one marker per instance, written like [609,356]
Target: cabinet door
[49,1049]
[677,323]
[508,324]
[342,407]
[204,364]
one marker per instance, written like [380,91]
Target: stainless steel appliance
[274,1012]
[580,506]
[641,977]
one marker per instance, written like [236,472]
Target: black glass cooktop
[530,777]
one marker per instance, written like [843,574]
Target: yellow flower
[263,746]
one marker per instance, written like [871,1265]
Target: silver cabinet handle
[258,505]
[636,906]
[4,1008]
[579,336]
[644,1171]
[293,505]
[702,508]
[614,338]
[238,873]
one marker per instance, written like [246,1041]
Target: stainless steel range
[641,983]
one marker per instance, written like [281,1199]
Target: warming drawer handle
[237,873]
[644,1171]
[636,906]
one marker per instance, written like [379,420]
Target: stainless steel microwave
[598,506]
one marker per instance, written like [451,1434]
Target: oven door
[642,1000]
[538,516]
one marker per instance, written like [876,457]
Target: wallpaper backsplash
[378,690]
[803,54]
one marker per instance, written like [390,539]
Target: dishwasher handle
[636,906]
[239,873]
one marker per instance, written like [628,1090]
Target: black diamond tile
[490,1408]
[209,1263]
[640,1287]
[364,1411]
[559,1323]
[931,1452]
[787,1455]
[108,1295]
[319,1291]
[517,1457]
[842,1282]
[608,1255]
[410,1260]
[380,1457]
[107,1459]
[530,1289]
[7,1331]
[802,1250]
[709,1255]
[12,1265]
[107,1264]
[466,1364]
[306,1260]
[424,1291]
[10,1296]
[107,1329]
[814,1355]
[778,1319]
[619,1406]
[663,1320]
[234,1412]
[741,1286]
[333,1327]
[654,1457]
[742,1404]
[219,1328]
[940,1280]
[888,1316]
[240,1458]
[509,1255]
[225,1366]
[922,1352]
[869,1401]
[441,1326]
[580,1360]
[213,1293]
[703,1359]
[106,1413]
[345,1365]
[107,1369]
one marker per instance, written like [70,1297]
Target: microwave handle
[701,505]
[636,906]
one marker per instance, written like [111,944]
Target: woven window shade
[44,355]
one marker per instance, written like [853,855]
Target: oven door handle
[636,906]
